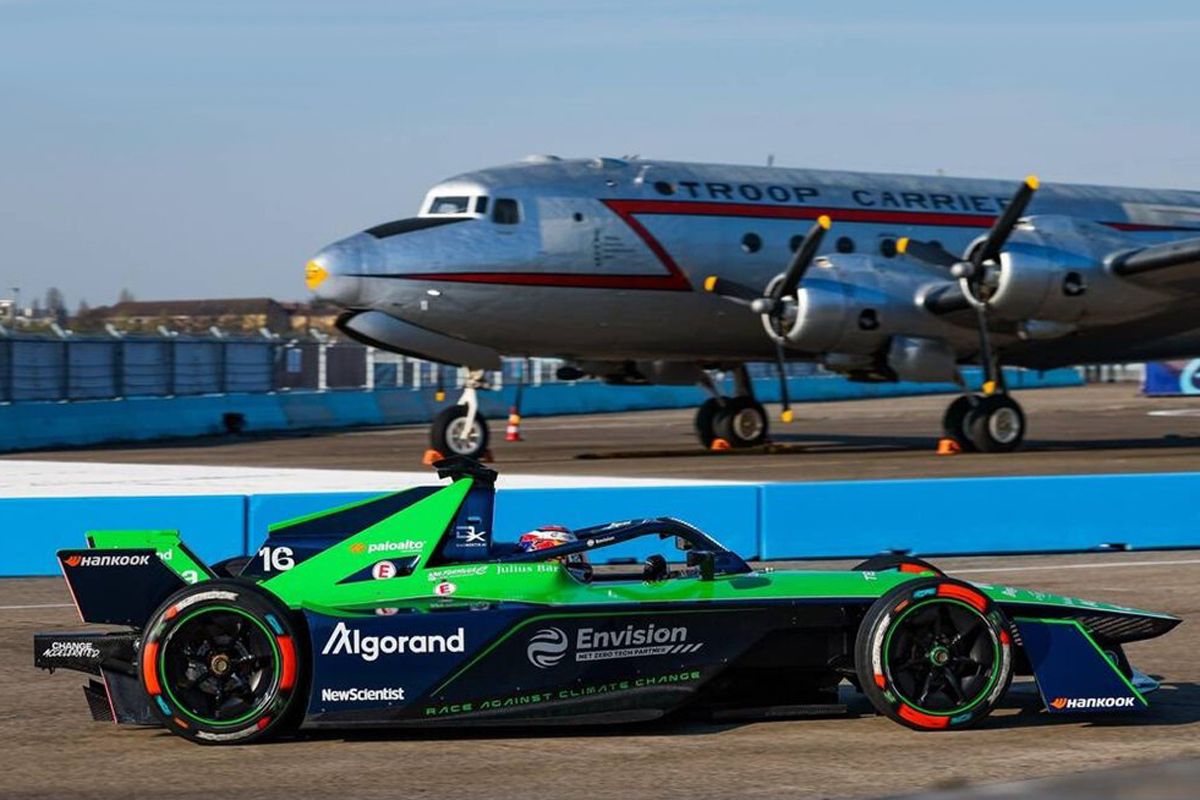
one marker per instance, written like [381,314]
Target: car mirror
[706,560]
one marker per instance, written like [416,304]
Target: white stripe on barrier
[36,605]
[29,478]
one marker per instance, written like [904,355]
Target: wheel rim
[747,424]
[942,657]
[1004,425]
[220,666]
[463,439]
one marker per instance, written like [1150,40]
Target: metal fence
[104,367]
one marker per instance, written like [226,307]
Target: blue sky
[189,148]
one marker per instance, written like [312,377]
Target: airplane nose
[336,273]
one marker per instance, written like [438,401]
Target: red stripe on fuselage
[674,279]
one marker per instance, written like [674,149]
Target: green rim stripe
[995,658]
[166,685]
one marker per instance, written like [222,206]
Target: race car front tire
[223,663]
[934,654]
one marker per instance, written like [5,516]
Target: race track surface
[51,749]
[1098,428]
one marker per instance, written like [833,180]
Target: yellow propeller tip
[1032,182]
[786,416]
[710,283]
[824,221]
[902,244]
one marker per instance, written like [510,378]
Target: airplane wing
[1172,265]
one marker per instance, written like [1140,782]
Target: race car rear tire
[223,663]
[934,654]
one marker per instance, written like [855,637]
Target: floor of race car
[50,748]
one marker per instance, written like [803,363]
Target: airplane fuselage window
[845,244]
[450,205]
[506,211]
[481,205]
[751,242]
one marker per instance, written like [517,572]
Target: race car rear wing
[123,576]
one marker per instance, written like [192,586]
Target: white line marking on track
[1113,565]
[36,605]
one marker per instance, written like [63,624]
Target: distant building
[235,315]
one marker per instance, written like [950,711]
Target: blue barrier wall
[36,528]
[979,515]
[32,425]
[771,521]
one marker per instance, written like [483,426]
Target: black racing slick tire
[995,425]
[934,654]
[706,416]
[450,436]
[742,422]
[223,663]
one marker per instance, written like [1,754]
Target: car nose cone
[336,273]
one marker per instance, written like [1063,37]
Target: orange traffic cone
[720,444]
[948,447]
[513,432]
[431,456]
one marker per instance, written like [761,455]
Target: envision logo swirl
[547,647]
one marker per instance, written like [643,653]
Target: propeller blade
[730,290]
[786,414]
[1005,223]
[928,252]
[800,260]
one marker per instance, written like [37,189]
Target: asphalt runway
[1097,428]
[51,749]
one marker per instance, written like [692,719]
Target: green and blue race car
[404,610]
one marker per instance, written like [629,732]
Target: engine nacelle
[1036,283]
[1054,271]
[852,305]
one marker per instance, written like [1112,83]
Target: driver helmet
[548,536]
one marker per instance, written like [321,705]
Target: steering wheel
[655,569]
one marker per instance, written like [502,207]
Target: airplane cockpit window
[481,204]
[506,211]
[450,205]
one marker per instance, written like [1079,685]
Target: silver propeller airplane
[656,272]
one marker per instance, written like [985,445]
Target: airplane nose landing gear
[461,429]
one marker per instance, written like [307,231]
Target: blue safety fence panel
[36,528]
[979,515]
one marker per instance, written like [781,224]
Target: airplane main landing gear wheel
[954,421]
[706,415]
[995,424]
[934,654]
[742,422]
[452,434]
